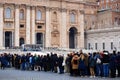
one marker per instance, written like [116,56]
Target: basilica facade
[72,24]
[50,23]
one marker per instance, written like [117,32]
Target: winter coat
[112,63]
[75,62]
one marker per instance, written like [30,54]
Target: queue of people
[97,64]
[33,62]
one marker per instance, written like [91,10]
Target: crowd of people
[96,64]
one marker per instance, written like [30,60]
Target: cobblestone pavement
[12,74]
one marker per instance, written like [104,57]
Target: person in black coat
[55,61]
[52,62]
[118,63]
[60,61]
[3,61]
[112,65]
[44,60]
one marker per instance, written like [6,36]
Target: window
[21,26]
[72,18]
[116,19]
[88,45]
[22,14]
[119,44]
[39,15]
[8,13]
[39,27]
[103,45]
[119,22]
[111,45]
[107,6]
[96,46]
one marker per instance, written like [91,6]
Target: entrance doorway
[72,37]
[39,38]
[21,41]
[8,39]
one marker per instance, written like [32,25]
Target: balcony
[9,20]
[39,21]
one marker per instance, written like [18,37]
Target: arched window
[39,15]
[8,13]
[21,14]
[72,18]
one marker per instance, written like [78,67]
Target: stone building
[90,24]
[109,4]
[50,23]
[106,34]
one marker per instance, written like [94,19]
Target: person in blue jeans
[105,61]
[98,68]
[23,59]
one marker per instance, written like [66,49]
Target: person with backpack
[98,66]
[75,63]
[92,64]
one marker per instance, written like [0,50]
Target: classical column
[48,30]
[28,25]
[33,25]
[16,25]
[1,26]
[81,18]
[63,32]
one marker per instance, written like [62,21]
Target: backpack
[98,61]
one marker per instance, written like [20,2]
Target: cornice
[115,29]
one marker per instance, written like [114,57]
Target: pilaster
[63,32]
[81,38]
[33,25]
[81,18]
[1,26]
[48,28]
[16,25]
[28,25]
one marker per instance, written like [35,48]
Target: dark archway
[21,41]
[8,39]
[72,36]
[39,38]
